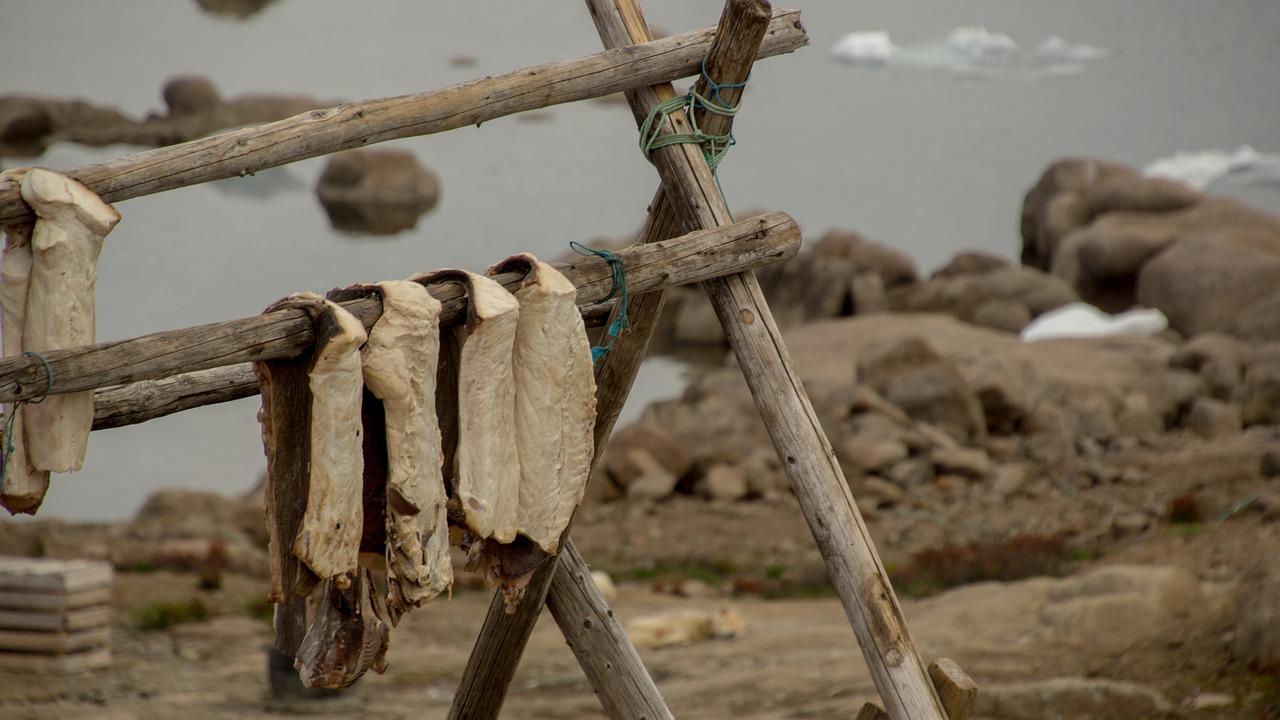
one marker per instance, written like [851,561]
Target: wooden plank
[287,333]
[613,668]
[806,455]
[46,575]
[958,691]
[55,664]
[320,132]
[53,642]
[54,601]
[871,711]
[78,619]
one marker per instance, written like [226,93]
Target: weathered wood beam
[807,457]
[323,131]
[285,333]
[139,402]
[610,662]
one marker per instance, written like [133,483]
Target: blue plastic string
[618,288]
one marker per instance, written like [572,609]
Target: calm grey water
[924,159]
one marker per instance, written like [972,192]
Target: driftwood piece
[288,332]
[24,486]
[486,473]
[319,132]
[806,454]
[958,691]
[400,365]
[65,244]
[620,680]
[555,400]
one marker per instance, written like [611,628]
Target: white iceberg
[865,48]
[1201,168]
[1082,320]
[1057,50]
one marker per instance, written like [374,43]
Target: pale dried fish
[400,364]
[486,472]
[24,486]
[329,539]
[555,400]
[70,224]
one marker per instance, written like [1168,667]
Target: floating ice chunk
[1055,49]
[982,45]
[1082,320]
[1201,168]
[873,48]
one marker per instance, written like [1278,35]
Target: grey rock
[1210,418]
[909,374]
[870,455]
[968,462]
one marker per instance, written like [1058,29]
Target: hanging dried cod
[555,400]
[486,472]
[326,481]
[400,365]
[347,636]
[71,223]
[24,486]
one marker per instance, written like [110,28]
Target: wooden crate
[54,614]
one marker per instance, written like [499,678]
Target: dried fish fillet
[487,464]
[329,539]
[555,400]
[346,638]
[400,364]
[70,224]
[24,486]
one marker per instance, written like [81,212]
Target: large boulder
[1021,292]
[380,192]
[1205,282]
[893,266]
[914,377]
[1056,205]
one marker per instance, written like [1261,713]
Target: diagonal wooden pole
[819,484]
[607,657]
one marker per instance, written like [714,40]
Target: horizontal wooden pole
[150,399]
[286,333]
[320,132]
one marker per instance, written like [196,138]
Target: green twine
[13,414]
[714,147]
[619,288]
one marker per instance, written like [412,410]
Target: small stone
[605,585]
[694,588]
[652,481]
[949,483]
[1010,480]
[1210,418]
[867,400]
[1271,463]
[871,455]
[911,473]
[1129,524]
[969,462]
[1209,701]
[883,493]
[1137,418]
[725,483]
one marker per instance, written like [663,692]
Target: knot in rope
[618,288]
[7,451]
[714,147]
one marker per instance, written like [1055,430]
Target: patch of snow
[969,51]
[1082,320]
[872,48]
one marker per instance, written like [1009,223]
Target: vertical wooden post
[806,454]
[607,657]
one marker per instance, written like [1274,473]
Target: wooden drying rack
[688,236]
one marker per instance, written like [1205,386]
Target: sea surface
[930,155]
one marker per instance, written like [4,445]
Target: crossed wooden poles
[688,203]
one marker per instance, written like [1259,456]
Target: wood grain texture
[958,691]
[807,457]
[285,333]
[328,130]
[607,657]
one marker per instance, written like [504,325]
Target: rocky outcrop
[195,108]
[1120,239]
[989,295]
[379,192]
